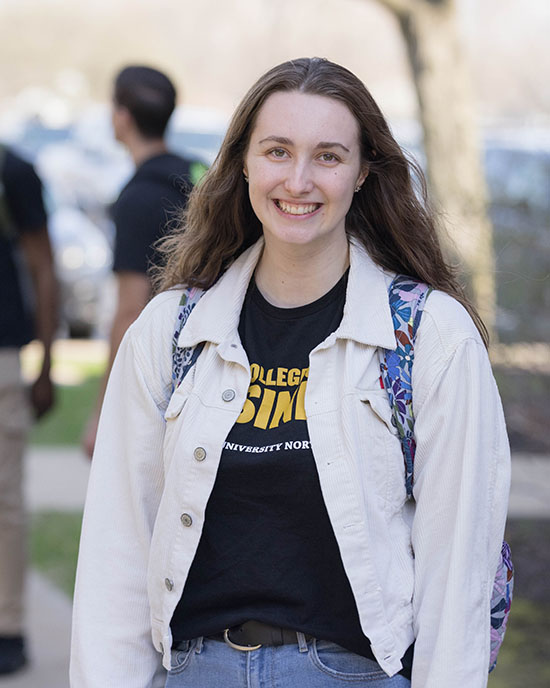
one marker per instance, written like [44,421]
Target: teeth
[297,209]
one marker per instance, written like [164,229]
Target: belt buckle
[243,648]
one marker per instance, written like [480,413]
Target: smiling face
[303,163]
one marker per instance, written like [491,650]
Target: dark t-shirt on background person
[152,198]
[22,195]
[268,551]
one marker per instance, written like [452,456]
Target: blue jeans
[206,663]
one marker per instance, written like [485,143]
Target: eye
[278,153]
[329,157]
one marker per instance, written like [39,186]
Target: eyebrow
[322,144]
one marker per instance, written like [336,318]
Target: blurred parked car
[197,132]
[83,258]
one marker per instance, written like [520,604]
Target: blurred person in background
[143,102]
[25,252]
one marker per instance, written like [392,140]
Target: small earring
[245,177]
[357,188]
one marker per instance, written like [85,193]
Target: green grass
[54,538]
[65,423]
[524,660]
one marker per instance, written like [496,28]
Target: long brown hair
[390,215]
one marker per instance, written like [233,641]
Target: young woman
[252,528]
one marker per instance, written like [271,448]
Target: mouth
[299,209]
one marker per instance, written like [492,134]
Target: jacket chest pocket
[179,398]
[175,421]
[377,400]
[382,445]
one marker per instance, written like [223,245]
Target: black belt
[251,635]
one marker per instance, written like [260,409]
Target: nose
[299,179]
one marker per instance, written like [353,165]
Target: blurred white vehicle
[196,132]
[83,263]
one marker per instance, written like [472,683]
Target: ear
[363,175]
[125,115]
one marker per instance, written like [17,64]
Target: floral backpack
[407,298]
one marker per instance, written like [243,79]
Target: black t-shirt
[153,197]
[22,193]
[268,550]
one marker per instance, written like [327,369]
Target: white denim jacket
[418,570]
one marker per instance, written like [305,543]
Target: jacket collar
[367,317]
[216,316]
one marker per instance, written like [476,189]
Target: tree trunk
[454,167]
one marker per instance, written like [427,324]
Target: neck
[143,149]
[289,278]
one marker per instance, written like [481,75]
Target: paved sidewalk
[530,491]
[56,479]
[49,624]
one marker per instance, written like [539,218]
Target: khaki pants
[14,424]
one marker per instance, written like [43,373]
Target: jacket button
[186,520]
[169,584]
[199,454]
[228,395]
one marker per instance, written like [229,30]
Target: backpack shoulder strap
[407,297]
[183,358]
